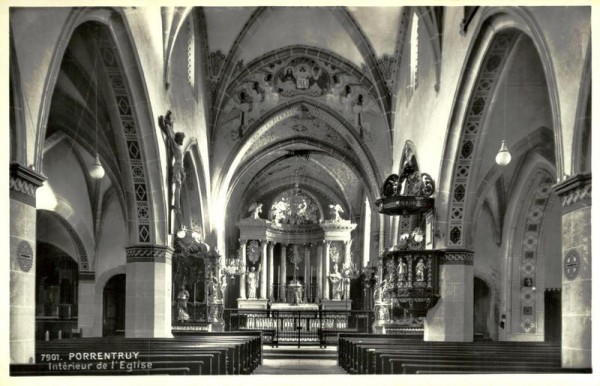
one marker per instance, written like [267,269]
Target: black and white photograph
[298,193]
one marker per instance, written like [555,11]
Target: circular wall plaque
[25,256]
[572,263]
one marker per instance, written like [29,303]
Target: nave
[202,189]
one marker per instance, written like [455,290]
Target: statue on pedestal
[252,279]
[256,210]
[182,298]
[335,212]
[336,283]
[346,286]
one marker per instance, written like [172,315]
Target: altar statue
[252,280]
[213,287]
[182,298]
[255,209]
[336,283]
[335,211]
[347,273]
[223,286]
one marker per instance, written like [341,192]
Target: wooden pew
[362,353]
[210,353]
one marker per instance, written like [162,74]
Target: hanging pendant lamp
[503,157]
[96,170]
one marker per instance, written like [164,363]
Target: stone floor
[303,360]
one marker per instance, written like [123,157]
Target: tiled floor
[288,360]
[299,366]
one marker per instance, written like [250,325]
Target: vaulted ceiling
[305,89]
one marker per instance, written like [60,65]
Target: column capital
[456,256]
[149,254]
[243,242]
[23,183]
[575,192]
[86,276]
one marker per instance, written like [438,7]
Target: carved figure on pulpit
[336,283]
[335,212]
[175,154]
[420,270]
[182,299]
[252,279]
[402,271]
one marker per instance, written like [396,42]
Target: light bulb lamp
[418,235]
[503,157]
[181,233]
[96,170]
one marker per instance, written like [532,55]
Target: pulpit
[407,273]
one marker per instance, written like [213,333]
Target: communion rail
[302,327]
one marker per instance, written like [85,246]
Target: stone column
[148,291]
[23,184]
[326,263]
[86,305]
[347,253]
[307,272]
[395,227]
[263,272]
[320,270]
[576,199]
[283,272]
[451,320]
[243,275]
[382,231]
[296,253]
[271,270]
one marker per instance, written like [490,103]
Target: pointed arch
[497,32]
[18,142]
[142,174]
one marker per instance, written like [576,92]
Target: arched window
[414,52]
[191,54]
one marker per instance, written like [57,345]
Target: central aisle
[304,360]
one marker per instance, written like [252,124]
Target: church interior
[212,190]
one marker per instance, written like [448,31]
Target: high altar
[295,259]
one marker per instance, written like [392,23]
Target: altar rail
[302,327]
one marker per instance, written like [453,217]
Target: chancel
[300,190]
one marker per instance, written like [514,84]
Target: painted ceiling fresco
[308,90]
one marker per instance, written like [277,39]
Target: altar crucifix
[295,287]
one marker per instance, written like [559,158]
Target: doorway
[552,315]
[481,309]
[113,318]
